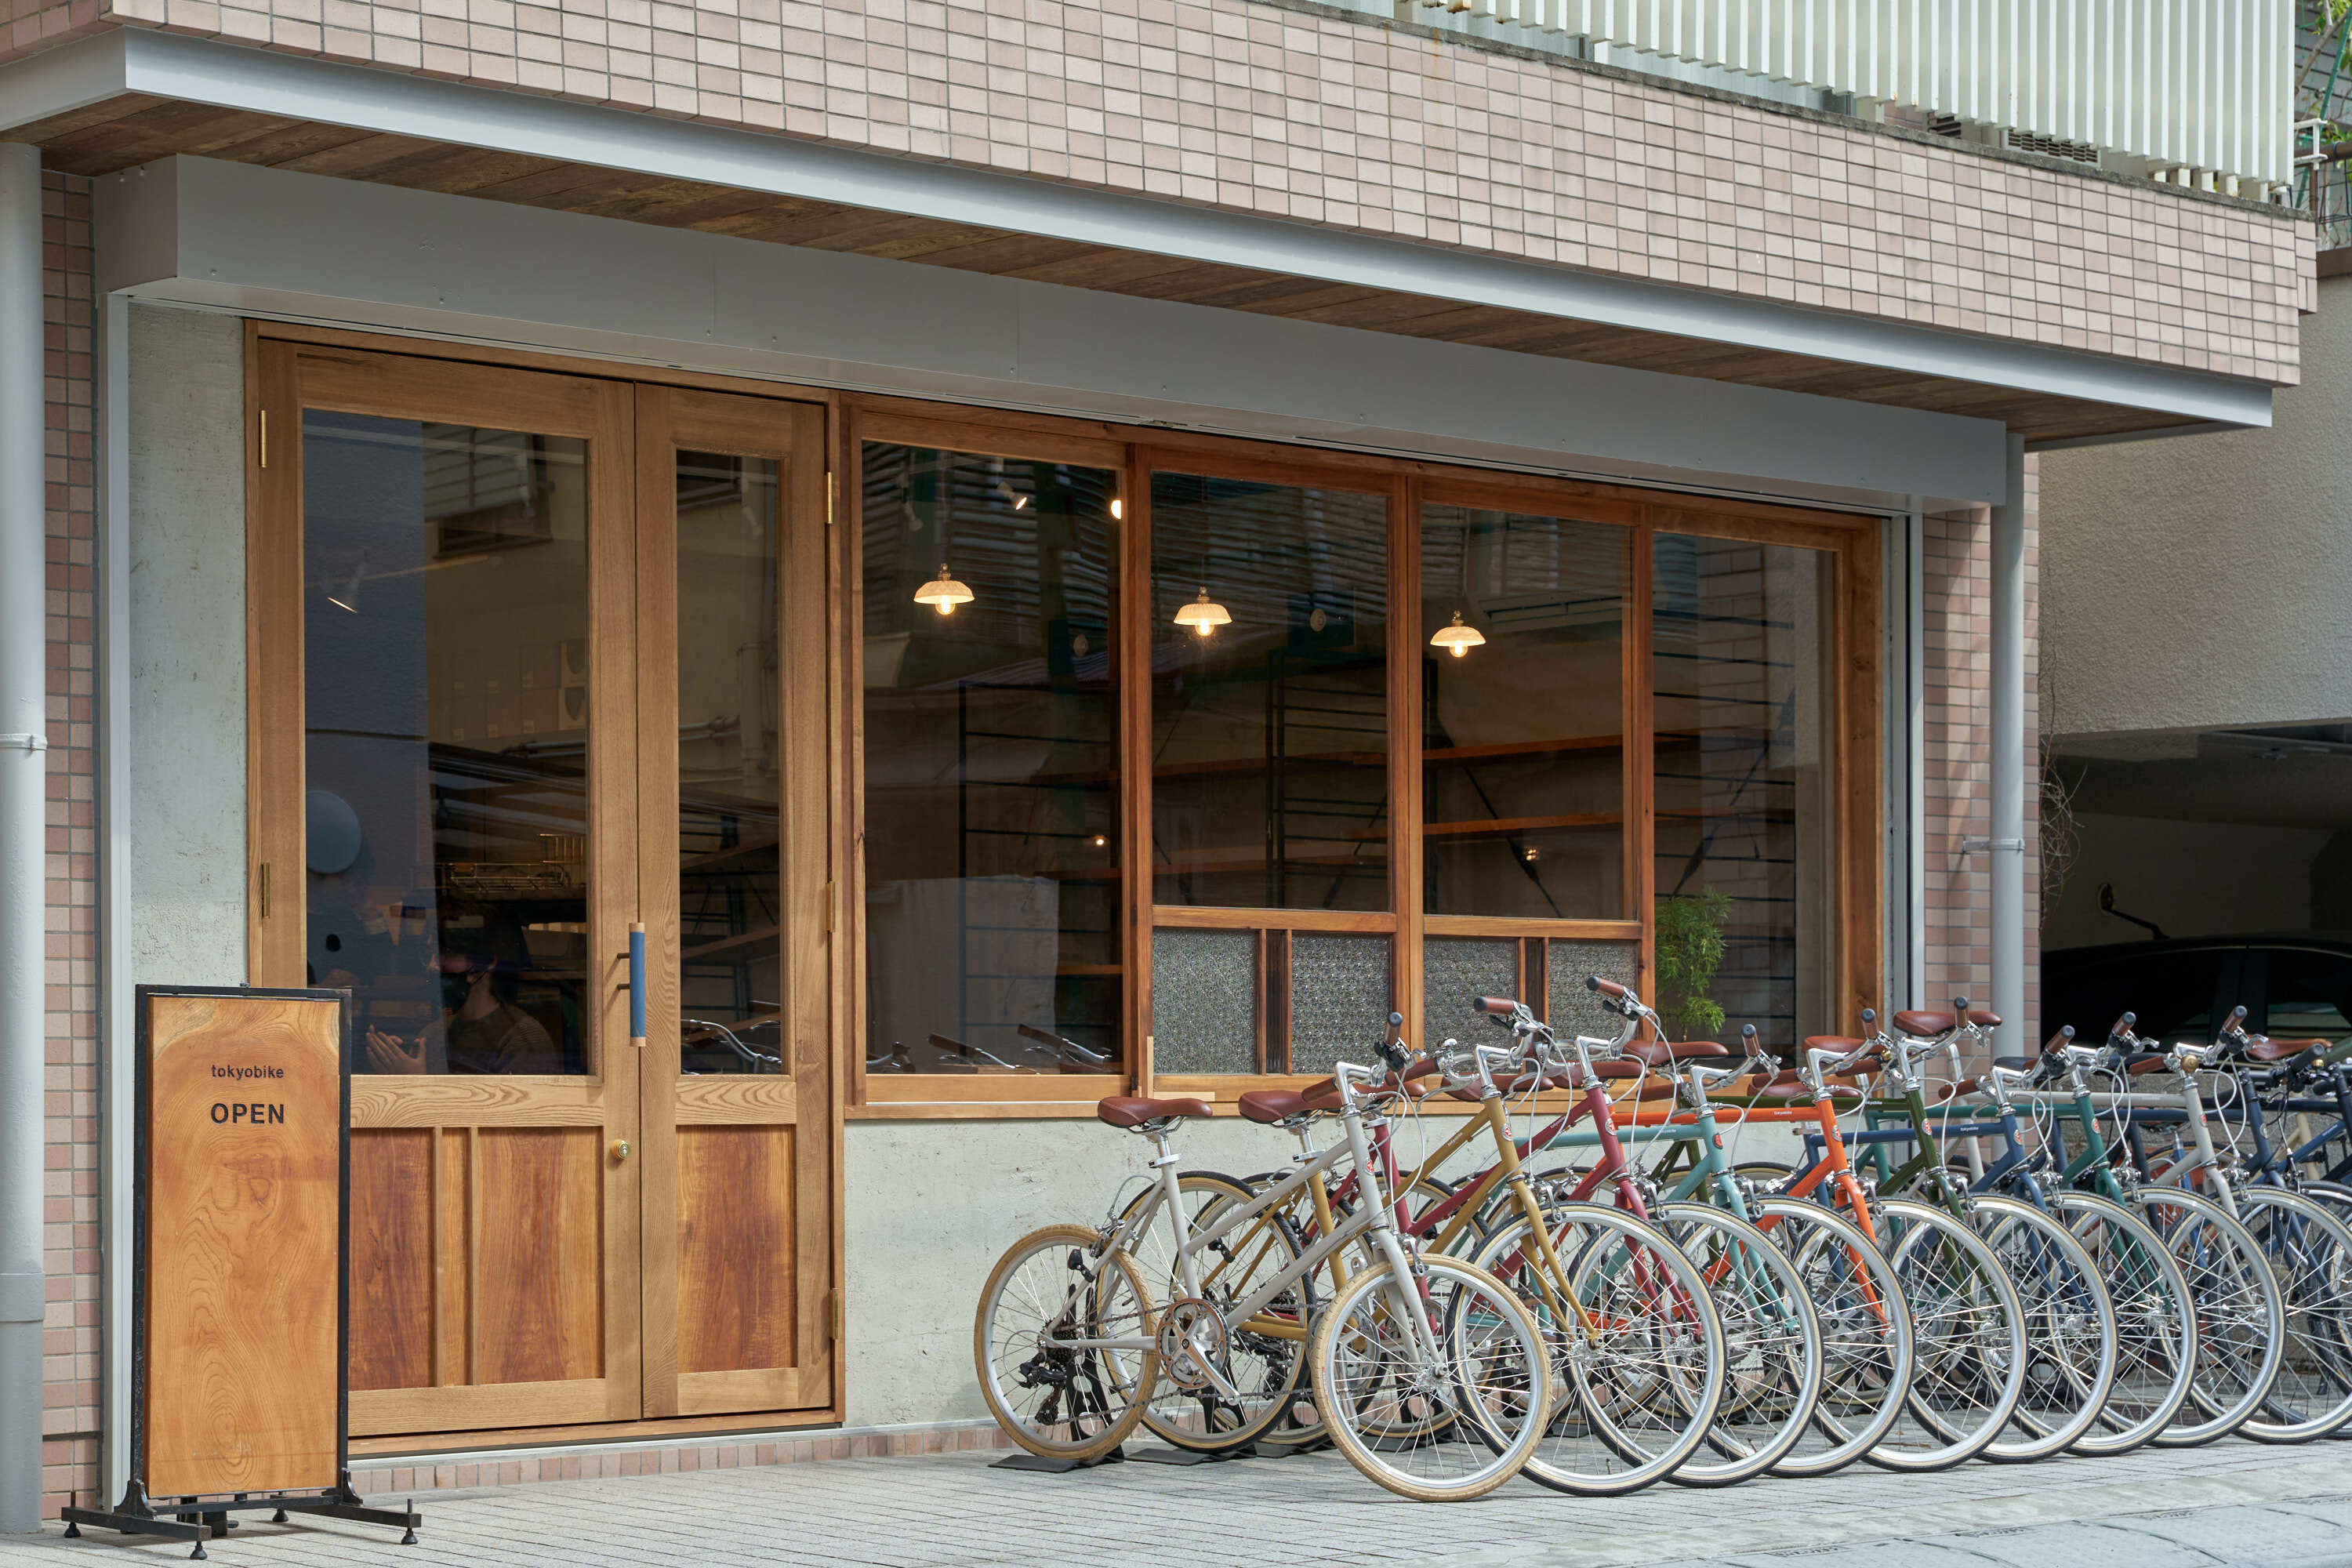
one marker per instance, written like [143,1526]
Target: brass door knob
[619,1148]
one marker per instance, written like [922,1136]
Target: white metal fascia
[203,71]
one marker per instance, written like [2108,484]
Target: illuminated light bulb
[1203,615]
[943,592]
[1457,639]
[1100,841]
[1117,512]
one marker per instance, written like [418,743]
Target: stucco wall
[186,811]
[2200,583]
[931,1204]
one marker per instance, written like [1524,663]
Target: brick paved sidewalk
[2235,1503]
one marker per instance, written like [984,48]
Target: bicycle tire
[2240,1313]
[1635,1400]
[2069,1320]
[1773,1335]
[1866,1339]
[1108,1389]
[2309,1252]
[1968,1336]
[1493,1369]
[2156,1324]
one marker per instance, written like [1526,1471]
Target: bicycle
[1428,1375]
[2239,1311]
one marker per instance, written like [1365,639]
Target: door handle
[637,994]
[620,1149]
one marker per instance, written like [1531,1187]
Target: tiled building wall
[1958,756]
[70,1341]
[1321,120]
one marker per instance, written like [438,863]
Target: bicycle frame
[1372,1218]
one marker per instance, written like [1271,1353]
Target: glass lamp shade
[1203,615]
[1457,639]
[943,593]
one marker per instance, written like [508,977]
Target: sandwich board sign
[242,1232]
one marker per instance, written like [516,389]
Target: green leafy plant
[1690,950]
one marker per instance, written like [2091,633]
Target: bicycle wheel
[1969,1330]
[1448,1355]
[2069,1328]
[2310,1254]
[1299,1426]
[1866,1344]
[2156,1324]
[1636,1345]
[2241,1312]
[1050,1383]
[1221,1384]
[1772,1342]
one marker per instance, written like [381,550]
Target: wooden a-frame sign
[240,1307]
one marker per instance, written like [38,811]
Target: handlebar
[1609,988]
[1501,1006]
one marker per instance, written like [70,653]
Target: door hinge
[831,485]
[262,891]
[833,1312]
[264,438]
[830,900]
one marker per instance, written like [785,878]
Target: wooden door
[444,669]
[738,1117]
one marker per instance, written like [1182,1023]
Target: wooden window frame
[1852,539]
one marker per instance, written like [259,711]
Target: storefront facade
[989,689]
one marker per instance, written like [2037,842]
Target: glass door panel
[466,770]
[445,685]
[730,751]
[731,719]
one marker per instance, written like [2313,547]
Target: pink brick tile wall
[1319,120]
[70,1341]
[1958,754]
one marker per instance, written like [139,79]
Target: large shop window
[1391,740]
[1746,781]
[445,689]
[991,838]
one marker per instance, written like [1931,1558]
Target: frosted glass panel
[1204,1001]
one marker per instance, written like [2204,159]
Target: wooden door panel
[495,1275]
[393,1219]
[734,865]
[735,1262]
[538,1247]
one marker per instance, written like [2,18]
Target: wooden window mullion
[1404,749]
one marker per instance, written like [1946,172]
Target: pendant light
[943,593]
[1457,639]
[1203,615]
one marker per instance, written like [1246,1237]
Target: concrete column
[24,582]
[2007,851]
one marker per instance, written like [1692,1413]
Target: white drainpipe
[2006,854]
[24,770]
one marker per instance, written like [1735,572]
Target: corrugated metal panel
[2190,84]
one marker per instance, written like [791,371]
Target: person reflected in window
[481,1029]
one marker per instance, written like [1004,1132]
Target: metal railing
[2191,91]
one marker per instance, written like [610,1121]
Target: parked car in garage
[2293,986]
